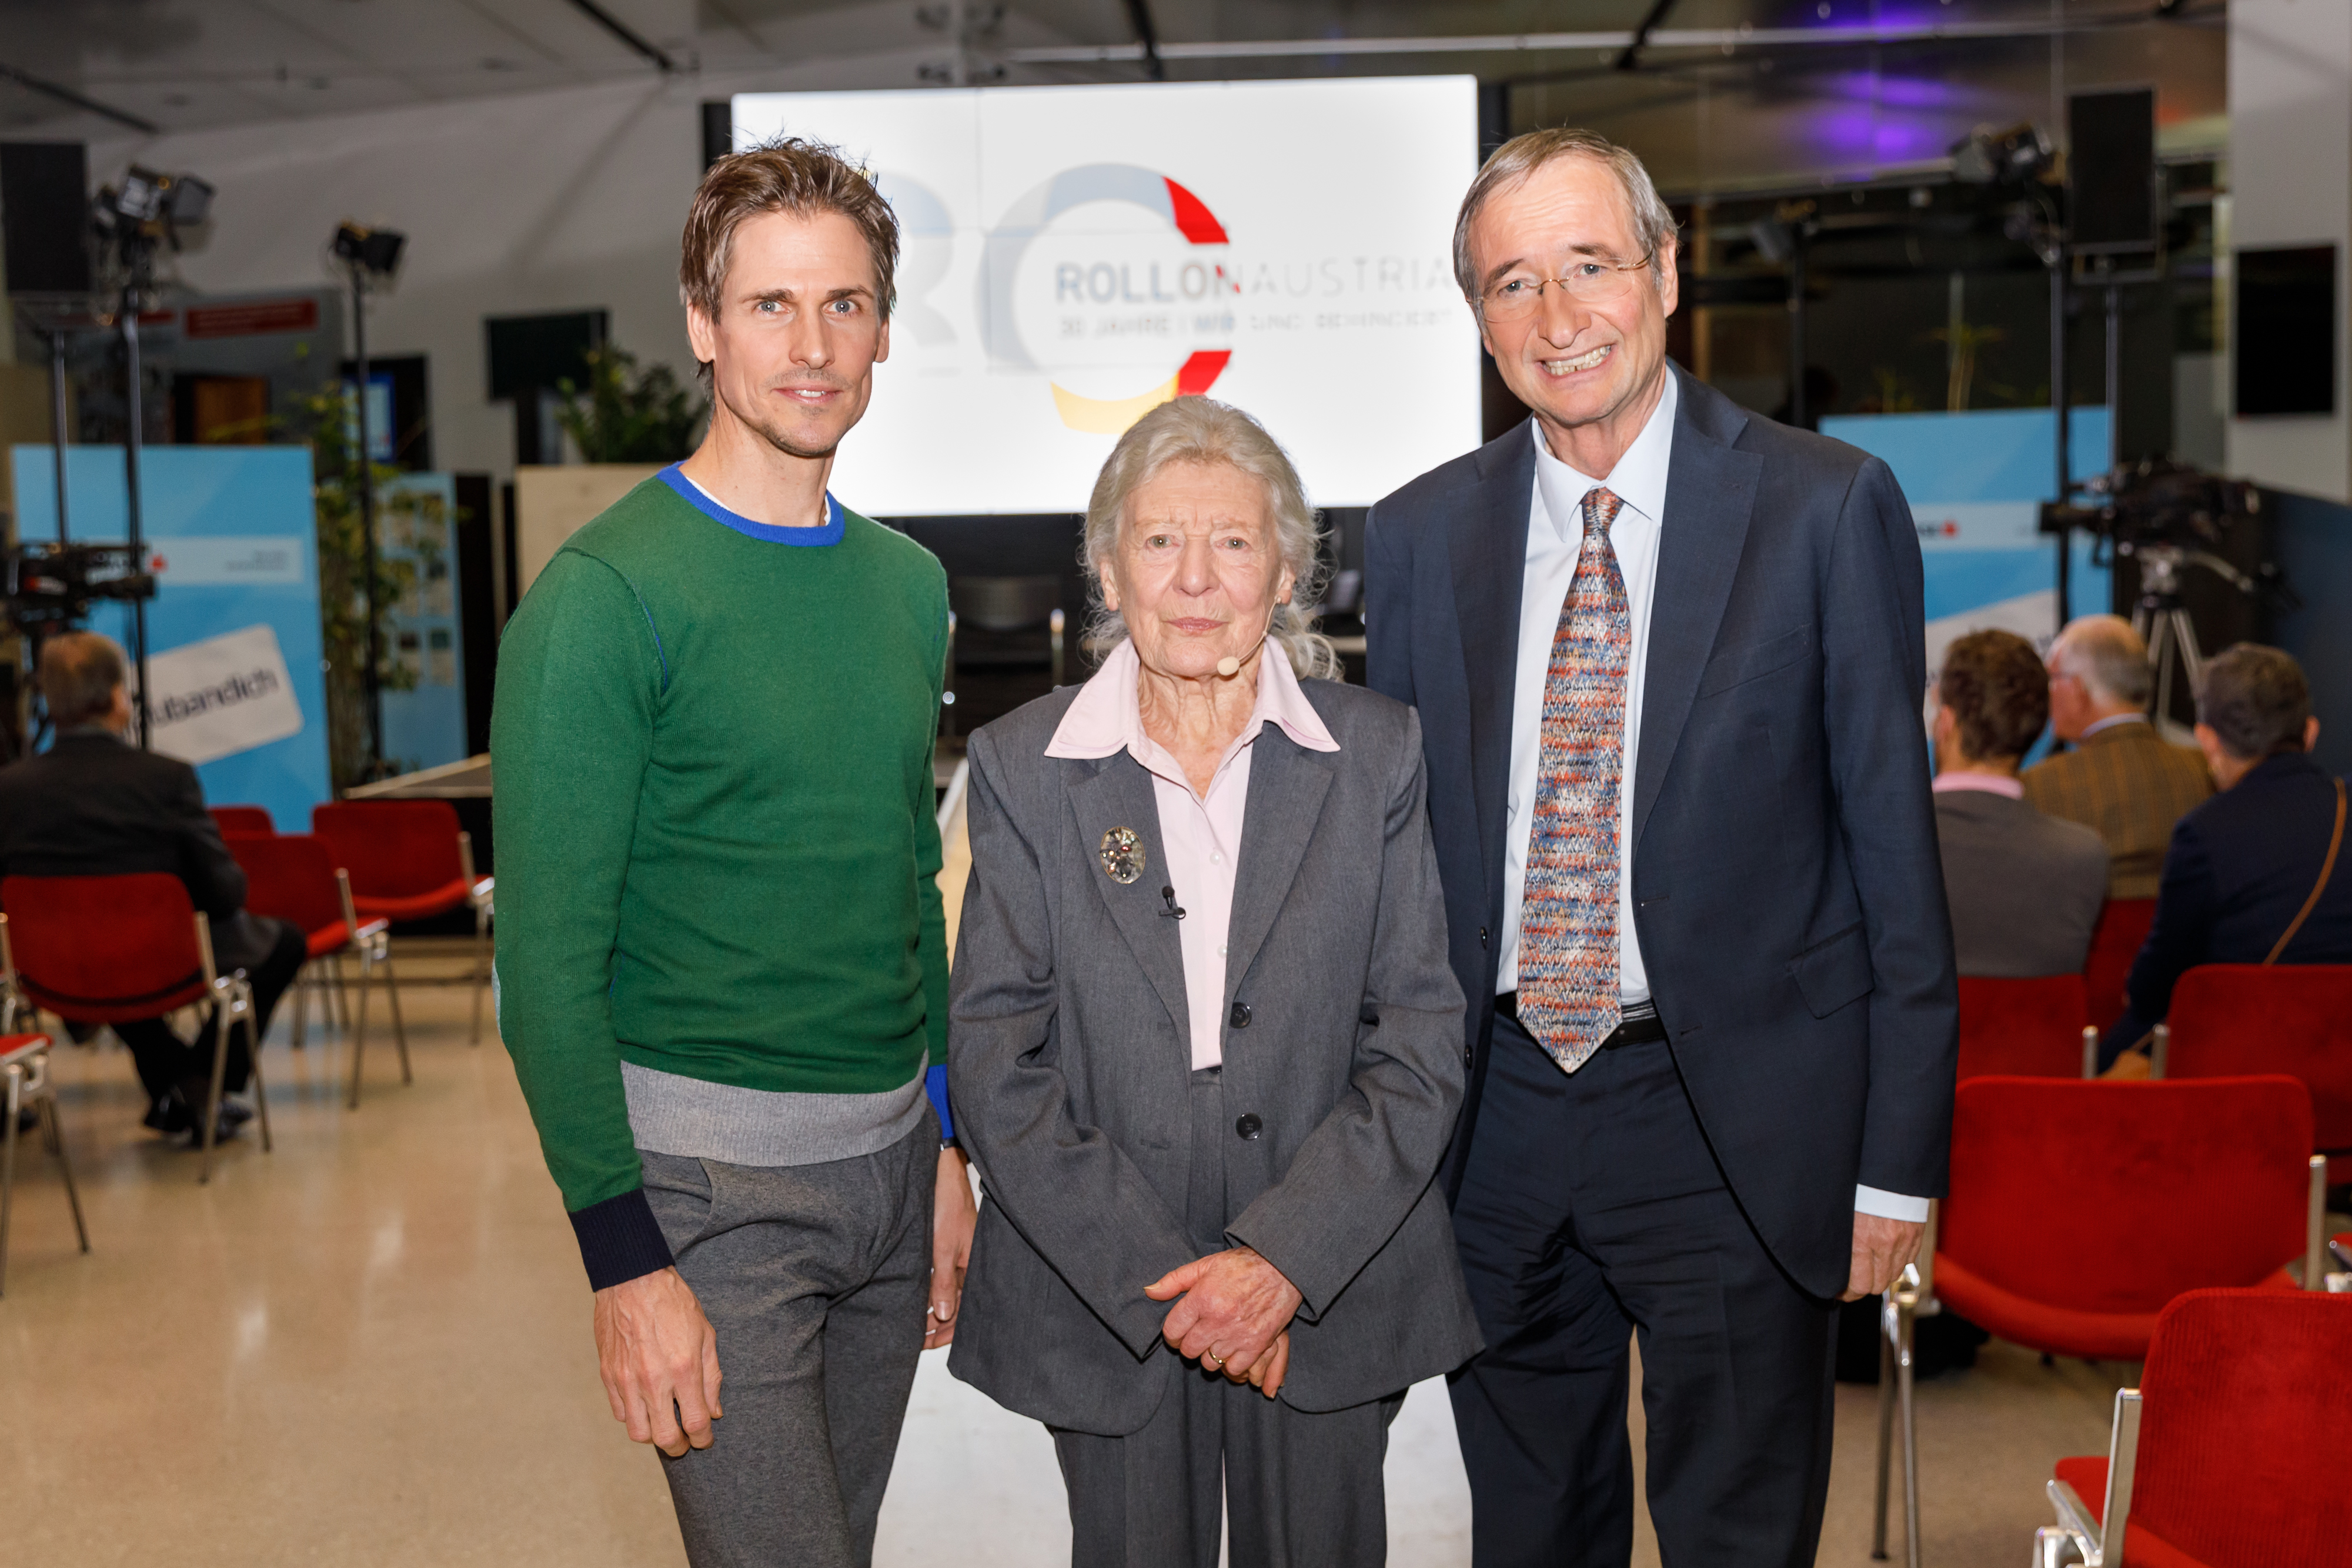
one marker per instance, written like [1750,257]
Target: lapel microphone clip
[1172,912]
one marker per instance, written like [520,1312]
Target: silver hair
[1514,161]
[1213,434]
[2107,657]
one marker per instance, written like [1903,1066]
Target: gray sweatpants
[817,1279]
[1298,1490]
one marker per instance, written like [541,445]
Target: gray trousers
[1301,1490]
[817,1279]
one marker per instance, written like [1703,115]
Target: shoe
[168,1116]
[225,1127]
[234,1112]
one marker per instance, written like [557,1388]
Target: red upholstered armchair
[25,1082]
[408,860]
[2026,1028]
[2121,933]
[113,949]
[294,878]
[2294,1019]
[2230,1452]
[233,820]
[2079,1210]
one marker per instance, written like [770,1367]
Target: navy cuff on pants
[620,1240]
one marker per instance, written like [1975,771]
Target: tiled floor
[371,1347]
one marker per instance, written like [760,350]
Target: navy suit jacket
[2241,865]
[1787,888]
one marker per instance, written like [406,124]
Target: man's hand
[953,1215]
[1265,1375]
[1881,1249]
[659,1358]
[1236,1306]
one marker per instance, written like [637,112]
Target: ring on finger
[1213,1359]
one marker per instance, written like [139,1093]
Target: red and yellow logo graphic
[1193,286]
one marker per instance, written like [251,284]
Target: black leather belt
[1639,1022]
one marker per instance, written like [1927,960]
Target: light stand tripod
[2163,620]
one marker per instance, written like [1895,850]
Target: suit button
[1469,1057]
[1249,1127]
[1482,936]
[1240,1016]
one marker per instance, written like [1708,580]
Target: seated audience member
[96,805]
[2025,889]
[2254,876]
[2121,778]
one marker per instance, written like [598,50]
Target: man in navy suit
[2254,876]
[1669,659]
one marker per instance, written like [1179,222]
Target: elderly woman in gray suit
[1205,1049]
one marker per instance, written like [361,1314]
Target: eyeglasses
[1516,297]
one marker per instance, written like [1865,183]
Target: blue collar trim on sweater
[828,533]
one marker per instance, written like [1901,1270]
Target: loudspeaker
[45,212]
[2111,166]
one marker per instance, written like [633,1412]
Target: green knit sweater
[715,831]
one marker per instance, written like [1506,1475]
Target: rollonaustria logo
[1107,301]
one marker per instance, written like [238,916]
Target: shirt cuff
[620,1240]
[935,1084]
[1889,1204]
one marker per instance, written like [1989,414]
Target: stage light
[2014,156]
[373,250]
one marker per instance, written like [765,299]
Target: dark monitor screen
[2284,343]
[2111,163]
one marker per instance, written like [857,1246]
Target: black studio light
[374,250]
[2012,156]
[367,254]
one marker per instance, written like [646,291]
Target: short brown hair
[786,175]
[2254,698]
[1997,689]
[1521,156]
[80,671]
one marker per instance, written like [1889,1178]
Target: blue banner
[234,645]
[1976,482]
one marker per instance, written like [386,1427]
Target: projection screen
[1074,256]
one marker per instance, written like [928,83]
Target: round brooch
[1122,856]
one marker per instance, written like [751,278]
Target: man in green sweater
[722,966]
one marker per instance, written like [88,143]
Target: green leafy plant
[329,422]
[624,414]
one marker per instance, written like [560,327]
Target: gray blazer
[2025,889]
[1069,1064]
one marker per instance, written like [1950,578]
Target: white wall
[2291,184]
[558,200]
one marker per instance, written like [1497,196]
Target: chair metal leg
[399,1028]
[359,1035]
[1903,1360]
[212,1096]
[1885,1422]
[15,1075]
[54,1125]
[342,996]
[304,979]
[260,1092]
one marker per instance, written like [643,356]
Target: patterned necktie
[1568,918]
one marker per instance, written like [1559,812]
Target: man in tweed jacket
[2121,778]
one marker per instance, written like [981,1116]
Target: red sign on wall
[252,319]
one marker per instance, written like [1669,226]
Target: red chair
[2026,1028]
[2078,1210]
[25,1070]
[293,878]
[2230,1452]
[234,820]
[2121,931]
[408,860]
[2296,1019]
[115,949]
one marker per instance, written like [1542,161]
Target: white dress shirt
[1555,539]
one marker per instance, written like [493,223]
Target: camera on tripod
[48,588]
[2168,517]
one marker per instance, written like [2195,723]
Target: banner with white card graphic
[222,696]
